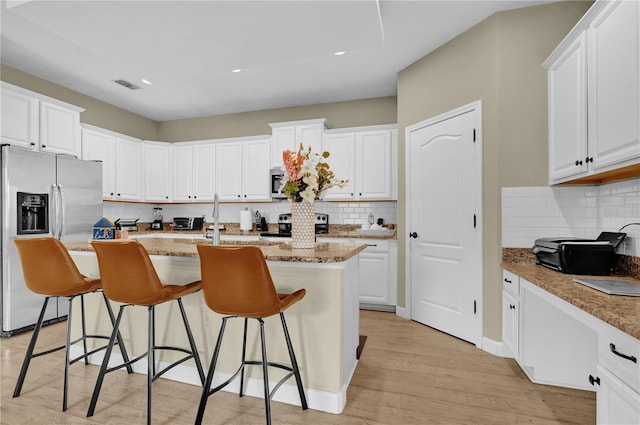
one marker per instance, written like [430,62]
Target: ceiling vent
[127,84]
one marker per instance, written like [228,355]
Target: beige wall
[96,112]
[355,113]
[498,62]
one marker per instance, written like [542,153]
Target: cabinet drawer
[511,283]
[620,353]
[376,245]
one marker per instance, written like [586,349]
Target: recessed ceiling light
[339,53]
[236,70]
[144,80]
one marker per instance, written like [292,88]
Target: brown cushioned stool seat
[49,270]
[237,283]
[128,277]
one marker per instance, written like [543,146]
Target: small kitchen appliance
[188,223]
[128,224]
[579,256]
[277,183]
[284,225]
[157,219]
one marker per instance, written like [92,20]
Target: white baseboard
[402,312]
[492,346]
[287,393]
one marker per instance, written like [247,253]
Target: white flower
[308,195]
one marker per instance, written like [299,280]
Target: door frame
[475,107]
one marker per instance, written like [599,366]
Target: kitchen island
[323,325]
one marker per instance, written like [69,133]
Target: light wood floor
[408,374]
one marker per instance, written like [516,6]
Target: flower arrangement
[307,175]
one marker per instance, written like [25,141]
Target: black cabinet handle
[413,235]
[508,280]
[588,159]
[578,162]
[594,380]
[512,307]
[612,347]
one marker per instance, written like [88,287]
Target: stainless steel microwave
[277,183]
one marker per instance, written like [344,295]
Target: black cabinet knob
[578,162]
[512,307]
[594,380]
[413,235]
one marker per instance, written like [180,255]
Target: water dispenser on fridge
[33,213]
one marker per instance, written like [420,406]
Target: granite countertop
[273,251]
[622,312]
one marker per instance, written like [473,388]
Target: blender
[157,219]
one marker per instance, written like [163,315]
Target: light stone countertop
[273,251]
[622,312]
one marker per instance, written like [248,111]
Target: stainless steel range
[284,225]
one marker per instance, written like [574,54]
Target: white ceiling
[187,49]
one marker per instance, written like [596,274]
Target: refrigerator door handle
[55,222]
[62,208]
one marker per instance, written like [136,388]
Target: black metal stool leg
[67,354]
[123,349]
[294,363]
[32,345]
[84,328]
[265,373]
[206,389]
[105,363]
[192,343]
[151,359]
[244,352]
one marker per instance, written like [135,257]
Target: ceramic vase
[303,225]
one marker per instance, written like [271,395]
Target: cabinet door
[229,171]
[282,138]
[567,91]
[373,277]
[341,148]
[19,123]
[616,402]
[181,158]
[614,85]
[373,165]
[204,178]
[128,170]
[156,171]
[98,146]
[59,130]
[510,311]
[309,135]
[255,172]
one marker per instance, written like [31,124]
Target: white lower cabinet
[560,344]
[510,314]
[616,403]
[378,265]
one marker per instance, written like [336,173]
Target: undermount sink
[379,232]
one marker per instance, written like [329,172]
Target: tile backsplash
[339,212]
[529,213]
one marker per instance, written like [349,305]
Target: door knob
[413,235]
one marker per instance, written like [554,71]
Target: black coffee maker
[157,219]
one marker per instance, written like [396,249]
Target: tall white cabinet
[594,97]
[193,171]
[156,165]
[289,135]
[37,122]
[367,158]
[242,169]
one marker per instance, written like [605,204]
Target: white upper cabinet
[289,135]
[193,166]
[614,85]
[38,122]
[121,156]
[100,146]
[156,162]
[367,158]
[594,97]
[242,169]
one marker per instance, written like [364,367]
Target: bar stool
[128,277]
[237,283]
[49,270]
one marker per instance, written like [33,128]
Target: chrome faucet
[215,240]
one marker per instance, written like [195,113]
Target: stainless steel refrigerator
[43,194]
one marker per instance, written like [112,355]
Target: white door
[443,207]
